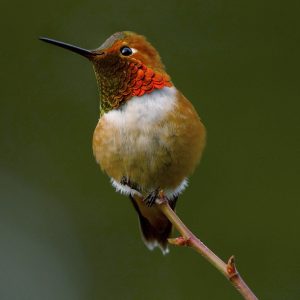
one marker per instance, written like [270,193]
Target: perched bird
[149,137]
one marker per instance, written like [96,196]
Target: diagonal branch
[229,270]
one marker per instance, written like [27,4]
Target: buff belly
[155,141]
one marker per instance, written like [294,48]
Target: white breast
[143,111]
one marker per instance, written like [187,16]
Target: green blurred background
[64,232]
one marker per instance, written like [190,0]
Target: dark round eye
[126,51]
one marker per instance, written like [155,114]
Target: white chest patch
[139,115]
[143,111]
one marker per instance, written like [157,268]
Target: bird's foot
[153,196]
[150,199]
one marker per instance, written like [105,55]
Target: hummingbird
[149,137]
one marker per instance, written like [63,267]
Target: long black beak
[84,52]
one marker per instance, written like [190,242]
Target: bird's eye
[126,51]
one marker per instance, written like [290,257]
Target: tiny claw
[179,241]
[161,198]
[161,194]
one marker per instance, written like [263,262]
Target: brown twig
[229,270]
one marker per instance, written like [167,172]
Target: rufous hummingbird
[149,137]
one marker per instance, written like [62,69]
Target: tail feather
[155,227]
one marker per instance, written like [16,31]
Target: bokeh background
[66,235]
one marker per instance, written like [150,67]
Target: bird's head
[125,65]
